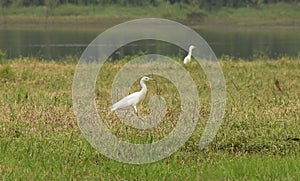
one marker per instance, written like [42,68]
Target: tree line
[199,3]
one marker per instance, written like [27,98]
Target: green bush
[6,73]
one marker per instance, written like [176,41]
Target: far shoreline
[94,23]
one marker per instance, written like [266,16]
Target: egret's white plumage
[189,55]
[134,98]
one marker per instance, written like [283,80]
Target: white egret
[189,55]
[134,98]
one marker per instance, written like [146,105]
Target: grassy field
[258,140]
[272,14]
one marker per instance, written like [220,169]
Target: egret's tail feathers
[114,107]
[186,61]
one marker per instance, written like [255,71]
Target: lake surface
[239,42]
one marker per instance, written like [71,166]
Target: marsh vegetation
[258,139]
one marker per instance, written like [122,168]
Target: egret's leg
[126,113]
[136,111]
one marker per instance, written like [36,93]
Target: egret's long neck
[190,52]
[144,88]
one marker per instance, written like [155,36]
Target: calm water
[238,42]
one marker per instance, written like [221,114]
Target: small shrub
[2,56]
[6,74]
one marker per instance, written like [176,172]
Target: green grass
[91,14]
[40,139]
[272,14]
[70,157]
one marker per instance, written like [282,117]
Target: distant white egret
[134,98]
[189,55]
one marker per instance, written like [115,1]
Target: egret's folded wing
[186,59]
[126,101]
